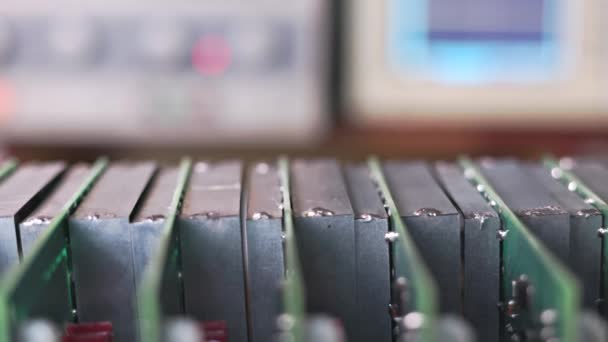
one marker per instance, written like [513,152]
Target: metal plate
[41,287]
[211,244]
[19,195]
[553,288]
[532,203]
[481,252]
[264,242]
[102,248]
[372,256]
[585,244]
[434,224]
[325,233]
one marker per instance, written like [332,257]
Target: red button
[211,55]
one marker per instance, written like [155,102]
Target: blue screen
[474,41]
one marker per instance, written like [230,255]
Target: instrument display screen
[486,20]
[474,41]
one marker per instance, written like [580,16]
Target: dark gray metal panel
[212,266]
[433,223]
[102,250]
[103,274]
[160,194]
[532,203]
[212,257]
[19,195]
[149,220]
[24,185]
[372,256]
[586,255]
[481,252]
[364,195]
[38,221]
[117,192]
[214,190]
[264,195]
[419,194]
[9,252]
[373,280]
[594,175]
[319,184]
[585,220]
[324,229]
[266,269]
[326,247]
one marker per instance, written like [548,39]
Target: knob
[163,44]
[7,40]
[74,42]
[254,45]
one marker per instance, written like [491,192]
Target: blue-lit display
[474,41]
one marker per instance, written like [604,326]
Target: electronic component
[148,222]
[532,203]
[160,290]
[588,181]
[414,293]
[41,287]
[482,236]
[234,260]
[32,227]
[372,256]
[584,223]
[539,294]
[19,195]
[211,245]
[432,220]
[102,247]
[325,233]
[264,237]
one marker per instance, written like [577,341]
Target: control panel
[167,71]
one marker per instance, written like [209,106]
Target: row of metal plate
[393,250]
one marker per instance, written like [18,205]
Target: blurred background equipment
[177,72]
[475,63]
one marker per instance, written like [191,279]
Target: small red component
[215,331]
[88,332]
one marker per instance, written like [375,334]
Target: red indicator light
[211,56]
